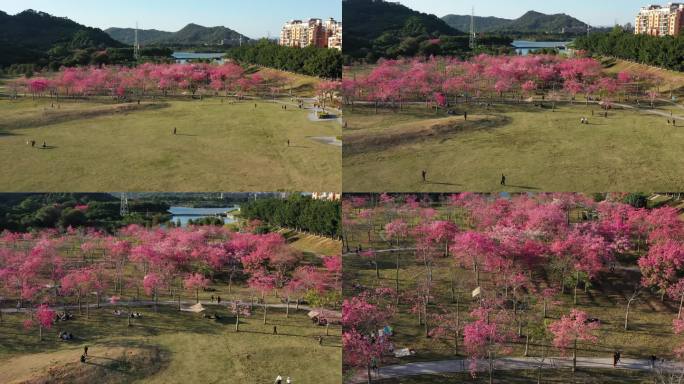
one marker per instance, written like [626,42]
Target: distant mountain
[28,36]
[388,28]
[191,34]
[145,36]
[531,22]
[482,24]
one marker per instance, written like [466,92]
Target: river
[184,214]
[523,47]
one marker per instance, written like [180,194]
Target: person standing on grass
[503,179]
[424,173]
[288,143]
[175,130]
[275,328]
[33,143]
[85,350]
[465,115]
[219,299]
[653,360]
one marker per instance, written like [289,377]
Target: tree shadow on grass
[47,147]
[298,146]
[443,183]
[523,187]
[185,134]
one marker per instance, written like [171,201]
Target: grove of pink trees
[441,80]
[47,269]
[530,248]
[148,80]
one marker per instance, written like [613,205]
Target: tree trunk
[264,307]
[629,303]
[287,308]
[397,278]
[237,320]
[491,368]
[377,269]
[574,299]
[574,357]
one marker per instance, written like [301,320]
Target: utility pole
[473,37]
[136,46]
[123,211]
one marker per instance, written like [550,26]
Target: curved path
[148,303]
[510,364]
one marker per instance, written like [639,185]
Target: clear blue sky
[254,18]
[592,12]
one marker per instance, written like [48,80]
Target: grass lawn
[537,149]
[187,348]
[100,146]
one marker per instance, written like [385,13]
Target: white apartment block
[656,20]
[314,32]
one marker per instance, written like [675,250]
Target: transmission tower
[124,204]
[473,36]
[136,46]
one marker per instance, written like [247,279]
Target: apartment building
[656,20]
[314,32]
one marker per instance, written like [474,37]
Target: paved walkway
[148,303]
[508,364]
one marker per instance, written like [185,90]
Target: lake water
[184,214]
[184,57]
[523,47]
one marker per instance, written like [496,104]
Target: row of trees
[26,212]
[666,52]
[447,80]
[151,80]
[50,268]
[298,212]
[567,238]
[311,61]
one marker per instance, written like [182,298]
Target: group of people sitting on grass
[64,316]
[32,143]
[279,380]
[66,336]
[215,316]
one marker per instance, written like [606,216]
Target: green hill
[531,22]
[482,24]
[388,29]
[34,37]
[192,34]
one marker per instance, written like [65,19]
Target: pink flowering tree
[573,328]
[361,319]
[484,337]
[195,282]
[240,309]
[45,317]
